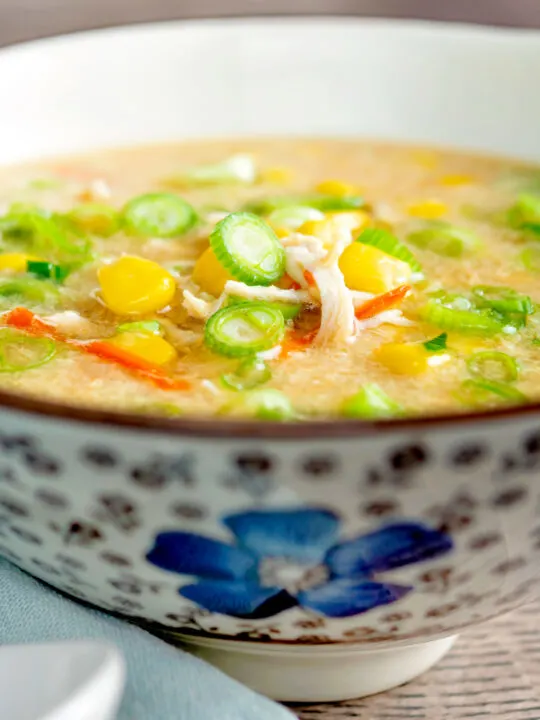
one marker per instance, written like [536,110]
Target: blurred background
[27,19]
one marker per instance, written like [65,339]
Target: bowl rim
[245,428]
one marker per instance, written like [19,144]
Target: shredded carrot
[294,342]
[287,283]
[309,278]
[25,320]
[107,351]
[382,302]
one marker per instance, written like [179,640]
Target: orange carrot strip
[107,351]
[382,302]
[25,320]
[294,342]
[309,278]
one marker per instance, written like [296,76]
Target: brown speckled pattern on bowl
[441,519]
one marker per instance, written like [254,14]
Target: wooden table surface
[492,673]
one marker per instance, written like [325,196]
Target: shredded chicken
[271,354]
[337,308]
[199,308]
[266,294]
[72,323]
[100,189]
[388,317]
[180,336]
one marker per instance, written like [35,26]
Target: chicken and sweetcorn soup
[279,280]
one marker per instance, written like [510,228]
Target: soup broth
[276,279]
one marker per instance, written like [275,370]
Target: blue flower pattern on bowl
[293,557]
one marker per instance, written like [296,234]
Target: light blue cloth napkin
[163,682]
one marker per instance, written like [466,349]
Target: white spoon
[80,680]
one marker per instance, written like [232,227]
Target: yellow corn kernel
[16,262]
[408,358]
[135,286]
[282,232]
[276,175]
[369,269]
[456,180]
[338,188]
[152,348]
[209,274]
[428,209]
[334,224]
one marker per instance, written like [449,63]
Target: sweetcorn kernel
[135,285]
[335,223]
[16,262]
[428,209]
[209,274]
[276,175]
[456,180]
[408,358]
[338,188]
[369,269]
[152,348]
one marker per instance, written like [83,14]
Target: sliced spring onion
[371,402]
[444,239]
[95,218]
[481,392]
[19,351]
[47,270]
[236,169]
[28,291]
[263,404]
[45,184]
[294,216]
[240,330]
[525,213]
[502,299]
[288,310]
[530,258]
[466,321]
[387,242]
[249,249]
[45,233]
[324,203]
[249,374]
[438,343]
[162,215]
[493,365]
[455,301]
[152,327]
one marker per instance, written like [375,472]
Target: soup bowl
[315,561]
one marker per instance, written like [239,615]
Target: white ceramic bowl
[314,562]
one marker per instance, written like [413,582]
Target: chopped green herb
[438,343]
[47,270]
